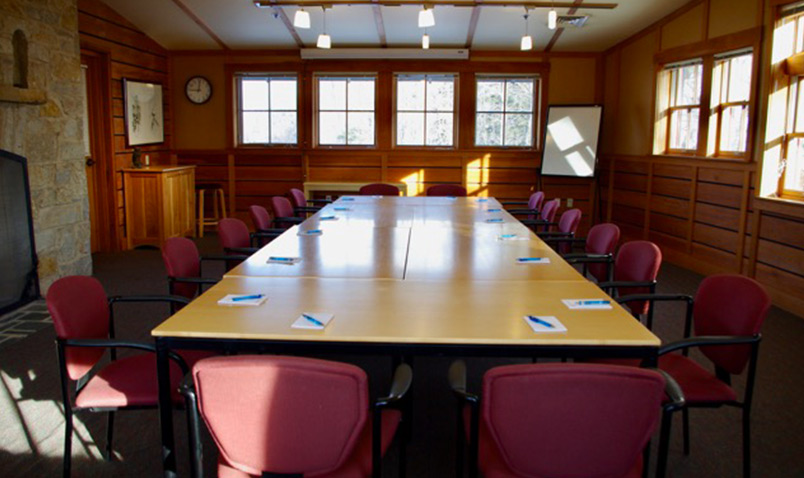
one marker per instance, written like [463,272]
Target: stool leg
[223,203]
[200,213]
[217,214]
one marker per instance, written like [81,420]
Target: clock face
[198,90]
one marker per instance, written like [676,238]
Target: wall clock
[198,90]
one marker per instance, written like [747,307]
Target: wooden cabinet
[160,204]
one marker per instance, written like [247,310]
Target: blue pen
[482,200]
[540,321]
[530,259]
[327,218]
[342,208]
[508,236]
[313,231]
[593,302]
[282,259]
[247,297]
[496,219]
[493,210]
[345,198]
[313,320]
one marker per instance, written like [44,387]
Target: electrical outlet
[569,202]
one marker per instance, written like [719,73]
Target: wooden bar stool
[218,206]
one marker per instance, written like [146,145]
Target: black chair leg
[746,444]
[646,460]
[459,440]
[109,434]
[68,440]
[403,463]
[664,443]
[685,416]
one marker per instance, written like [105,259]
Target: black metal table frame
[649,355]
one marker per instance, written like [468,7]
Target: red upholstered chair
[598,256]
[533,206]
[301,204]
[379,189]
[635,270]
[305,417]
[567,227]
[452,190]
[726,316]
[560,420]
[547,216]
[84,322]
[238,242]
[183,265]
[284,215]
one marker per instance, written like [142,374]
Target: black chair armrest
[216,257]
[457,382]
[537,222]
[176,299]
[268,232]
[290,220]
[120,344]
[513,203]
[240,253]
[625,283]
[403,378]
[319,201]
[710,341]
[520,211]
[306,209]
[195,280]
[564,236]
[673,391]
[580,257]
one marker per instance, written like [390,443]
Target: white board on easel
[571,140]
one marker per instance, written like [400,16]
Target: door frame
[102,147]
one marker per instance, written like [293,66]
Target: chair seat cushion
[127,382]
[698,384]
[357,466]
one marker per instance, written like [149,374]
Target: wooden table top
[402,312]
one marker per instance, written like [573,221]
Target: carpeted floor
[31,418]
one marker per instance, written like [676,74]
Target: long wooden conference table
[402,276]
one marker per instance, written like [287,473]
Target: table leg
[165,409]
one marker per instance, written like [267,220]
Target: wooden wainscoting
[704,216]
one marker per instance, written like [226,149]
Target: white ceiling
[241,25]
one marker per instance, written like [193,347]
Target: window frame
[535,111]
[717,107]
[238,109]
[455,110]
[672,84]
[316,76]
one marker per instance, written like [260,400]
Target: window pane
[740,78]
[255,128]
[519,96]
[799,126]
[794,173]
[332,128]
[361,128]
[283,128]
[490,95]
[361,95]
[688,85]
[283,95]
[734,129]
[684,129]
[488,129]
[255,94]
[331,94]
[440,95]
[439,129]
[518,130]
[410,94]
[410,129]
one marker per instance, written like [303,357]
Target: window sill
[779,205]
[714,159]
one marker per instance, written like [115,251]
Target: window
[684,108]
[731,92]
[345,110]
[425,110]
[792,180]
[267,109]
[504,111]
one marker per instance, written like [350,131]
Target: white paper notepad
[587,304]
[544,323]
[252,302]
[312,320]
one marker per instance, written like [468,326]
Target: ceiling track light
[552,17]
[425,41]
[526,43]
[426,17]
[301,19]
[324,40]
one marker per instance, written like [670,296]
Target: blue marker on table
[494,220]
[593,302]
[342,208]
[327,218]
[313,320]
[483,200]
[281,259]
[494,210]
[347,198]
[530,259]
[313,232]
[507,236]
[247,297]
[540,321]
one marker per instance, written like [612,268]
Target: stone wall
[45,125]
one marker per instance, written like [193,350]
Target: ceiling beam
[380,24]
[200,23]
[559,31]
[470,34]
[418,3]
[280,13]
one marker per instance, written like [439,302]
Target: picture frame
[145,119]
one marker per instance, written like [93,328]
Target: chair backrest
[569,220]
[730,305]
[601,239]
[571,420]
[281,206]
[446,190]
[181,259]
[79,309]
[637,261]
[548,212]
[233,232]
[304,415]
[259,217]
[536,200]
[297,197]
[379,189]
